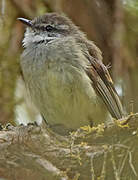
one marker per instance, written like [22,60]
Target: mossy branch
[104,152]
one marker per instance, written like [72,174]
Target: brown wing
[101,80]
[103,86]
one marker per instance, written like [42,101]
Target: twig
[117,177]
[92,168]
[123,164]
[131,164]
[103,173]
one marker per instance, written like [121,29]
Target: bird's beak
[26,21]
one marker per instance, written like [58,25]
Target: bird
[65,76]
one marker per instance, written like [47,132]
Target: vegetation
[30,152]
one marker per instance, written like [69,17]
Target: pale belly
[66,99]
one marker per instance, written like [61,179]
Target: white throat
[31,38]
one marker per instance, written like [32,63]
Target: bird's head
[48,27]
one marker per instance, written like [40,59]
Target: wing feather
[103,85]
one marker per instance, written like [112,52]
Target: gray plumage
[65,76]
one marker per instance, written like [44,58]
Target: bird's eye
[49,28]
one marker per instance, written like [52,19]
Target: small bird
[65,76]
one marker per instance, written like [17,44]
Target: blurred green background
[111,24]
